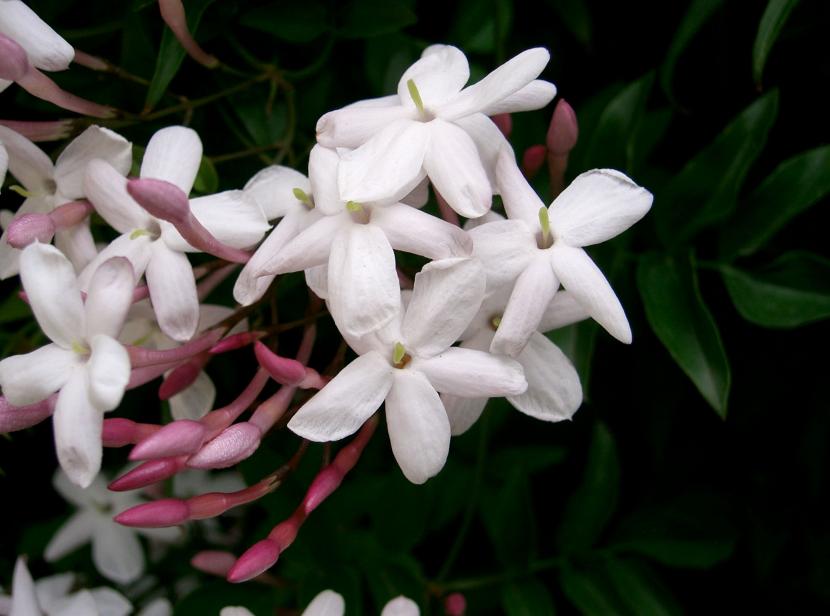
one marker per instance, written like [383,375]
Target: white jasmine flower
[434,127]
[85,363]
[48,185]
[155,247]
[407,364]
[330,603]
[4,164]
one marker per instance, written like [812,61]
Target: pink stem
[140,357]
[172,12]
[35,130]
[39,85]
[213,280]
[14,418]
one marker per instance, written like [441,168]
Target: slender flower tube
[563,132]
[14,418]
[172,12]
[36,130]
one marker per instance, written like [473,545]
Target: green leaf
[795,185]
[480,26]
[773,20]
[578,342]
[526,458]
[683,323]
[696,17]
[593,503]
[791,292]
[367,18]
[576,17]
[706,190]
[171,54]
[207,180]
[638,588]
[295,21]
[527,598]
[13,309]
[588,592]
[508,518]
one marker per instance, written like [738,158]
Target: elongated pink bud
[14,418]
[258,558]
[145,374]
[119,431]
[158,514]
[326,482]
[269,412]
[35,130]
[235,341]
[182,377]
[39,85]
[283,370]
[214,562]
[148,473]
[505,123]
[140,356]
[91,62]
[14,63]
[172,12]
[29,228]
[178,438]
[233,445]
[455,604]
[70,214]
[533,159]
[563,130]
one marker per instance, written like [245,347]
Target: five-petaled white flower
[330,603]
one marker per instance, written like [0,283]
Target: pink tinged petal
[419,430]
[355,124]
[117,554]
[74,533]
[535,95]
[95,142]
[14,63]
[322,173]
[310,247]
[439,75]
[173,292]
[173,154]
[505,248]
[32,377]
[77,423]
[27,162]
[195,401]
[14,418]
[401,606]
[45,47]
[533,291]
[77,244]
[564,309]
[520,200]
[349,399]
[364,294]
[584,280]
[454,166]
[52,288]
[109,297]
[446,297]
[106,189]
[597,206]
[506,80]
[273,190]
[462,412]
[108,371]
[554,392]
[388,166]
[136,249]
[327,603]
[24,599]
[472,374]
[414,231]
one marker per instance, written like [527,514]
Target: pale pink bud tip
[259,558]
[214,562]
[158,514]
[563,130]
[533,159]
[234,444]
[283,370]
[235,341]
[505,123]
[29,228]
[146,474]
[13,418]
[181,437]
[455,604]
[160,198]
[14,63]
[321,488]
[118,432]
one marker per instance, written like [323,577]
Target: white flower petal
[454,166]
[108,372]
[439,75]
[109,297]
[419,195]
[309,248]
[327,603]
[77,424]
[82,602]
[106,189]
[35,376]
[446,297]
[520,200]
[597,206]
[489,140]
[507,79]
[95,142]
[533,291]
[317,279]
[564,309]
[77,243]
[462,412]
[273,190]
[157,607]
[136,249]
[4,163]
[346,402]
[414,231]
[535,95]
[322,173]
[74,533]
[505,248]
[46,49]
[27,162]
[419,430]
[10,257]
[554,392]
[364,293]
[401,606]
[173,292]
[580,275]
[173,154]
[52,290]
[388,166]
[472,374]
[194,401]
[233,610]
[110,603]
[93,496]
[52,589]
[116,553]
[24,599]
[355,124]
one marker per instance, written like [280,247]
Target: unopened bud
[258,558]
[181,437]
[29,228]
[563,130]
[160,198]
[533,159]
[158,514]
[505,123]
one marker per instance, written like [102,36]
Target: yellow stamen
[416,96]
[20,191]
[398,354]
[354,206]
[303,197]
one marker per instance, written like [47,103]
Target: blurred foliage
[648,502]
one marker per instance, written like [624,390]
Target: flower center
[545,239]
[303,197]
[359,214]
[400,358]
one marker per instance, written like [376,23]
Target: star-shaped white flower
[85,362]
[330,603]
[434,126]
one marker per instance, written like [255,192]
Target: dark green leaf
[295,21]
[367,18]
[526,458]
[526,598]
[387,57]
[171,54]
[696,17]
[593,503]
[678,316]
[479,26]
[774,18]
[706,190]
[791,292]
[578,341]
[794,186]
[576,17]
[588,592]
[207,180]
[508,517]
[13,309]
[638,588]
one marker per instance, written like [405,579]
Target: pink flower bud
[235,341]
[140,356]
[505,123]
[70,214]
[258,558]
[160,198]
[213,562]
[29,228]
[39,85]
[563,130]
[180,379]
[147,474]
[181,437]
[455,604]
[234,444]
[14,63]
[14,418]
[533,159]
[158,514]
[283,370]
[118,431]
[35,130]
[172,12]
[326,482]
